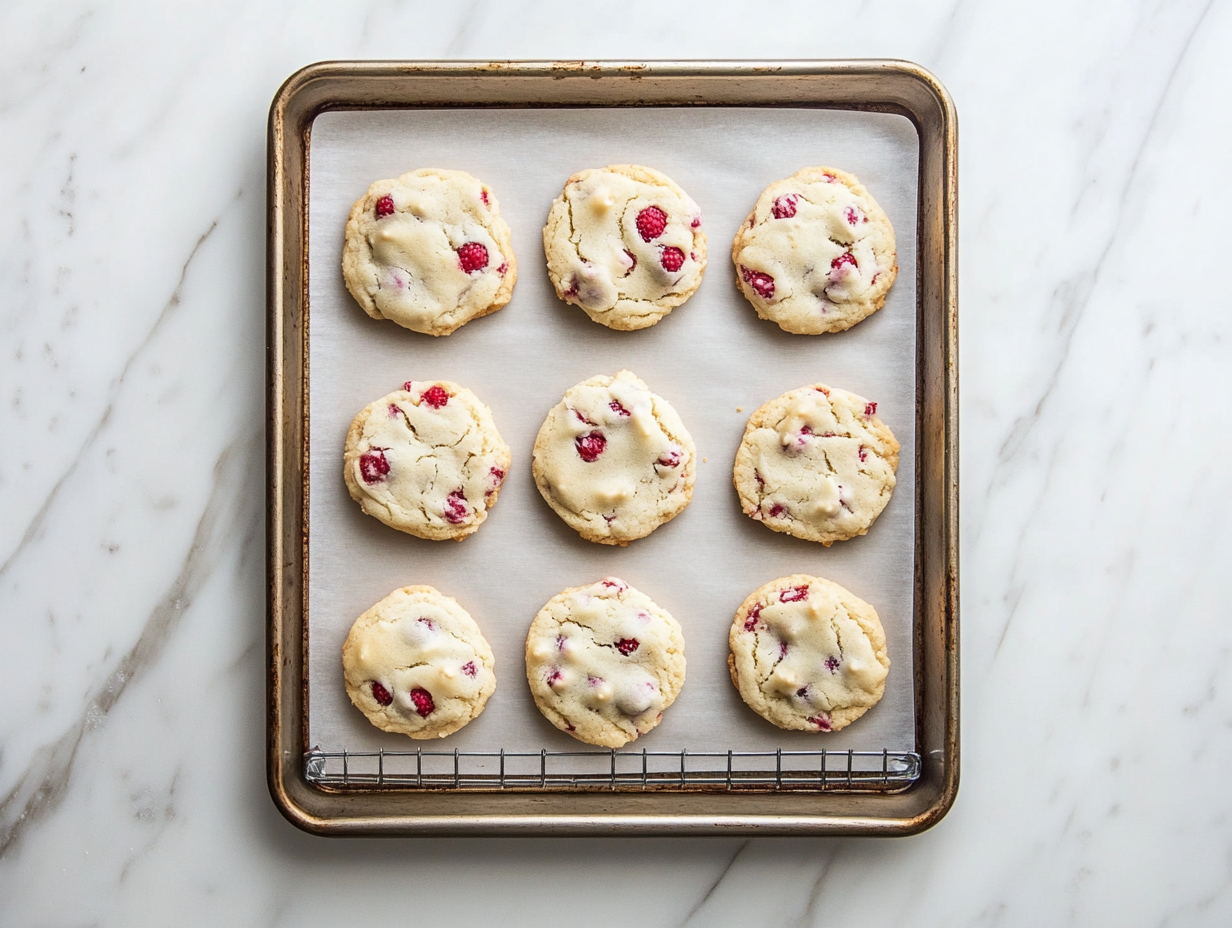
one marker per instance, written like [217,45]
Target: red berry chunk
[469,668]
[381,695]
[754,611]
[615,406]
[669,459]
[778,510]
[394,411]
[372,465]
[802,692]
[483,195]
[407,386]
[651,222]
[672,259]
[782,649]
[627,646]
[696,223]
[423,701]
[762,284]
[794,595]
[554,676]
[846,258]
[854,216]
[456,510]
[785,206]
[832,664]
[616,584]
[863,454]
[384,206]
[435,396]
[497,474]
[870,409]
[829,178]
[821,721]
[590,446]
[472,257]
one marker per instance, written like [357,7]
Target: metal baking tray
[761,786]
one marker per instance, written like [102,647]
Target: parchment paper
[707,358]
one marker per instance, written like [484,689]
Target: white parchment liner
[707,358]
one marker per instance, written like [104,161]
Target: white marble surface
[1095,423]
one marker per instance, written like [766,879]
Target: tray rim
[869,85]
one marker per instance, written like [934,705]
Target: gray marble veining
[1095,362]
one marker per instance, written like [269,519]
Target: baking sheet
[708,357]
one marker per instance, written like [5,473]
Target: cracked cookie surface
[816,254]
[429,251]
[614,460]
[816,463]
[625,244]
[808,654]
[417,664]
[604,662]
[426,460]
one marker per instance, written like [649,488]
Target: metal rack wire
[831,771]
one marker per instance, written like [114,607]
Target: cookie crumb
[704,460]
[739,409]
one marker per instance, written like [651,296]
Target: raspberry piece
[469,668]
[614,583]
[754,611]
[778,510]
[669,459]
[581,417]
[651,222]
[794,595]
[590,446]
[785,206]
[384,206]
[832,664]
[569,727]
[762,284]
[381,695]
[425,621]
[435,396]
[863,454]
[672,259]
[503,268]
[782,649]
[483,195]
[455,508]
[572,289]
[407,386]
[821,721]
[829,178]
[696,223]
[554,676]
[472,257]
[394,411]
[561,642]
[802,692]
[423,701]
[498,476]
[372,465]
[627,646]
[615,406]
[853,216]
[846,258]
[870,409]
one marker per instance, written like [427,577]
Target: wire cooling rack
[834,771]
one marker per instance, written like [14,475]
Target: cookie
[625,244]
[429,250]
[604,662]
[807,654]
[426,460]
[816,463]
[817,253]
[416,663]
[614,460]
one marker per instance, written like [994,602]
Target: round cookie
[625,244]
[817,253]
[603,662]
[429,250]
[426,460]
[816,463]
[614,460]
[807,654]
[416,663]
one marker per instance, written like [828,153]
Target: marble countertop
[1095,486]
